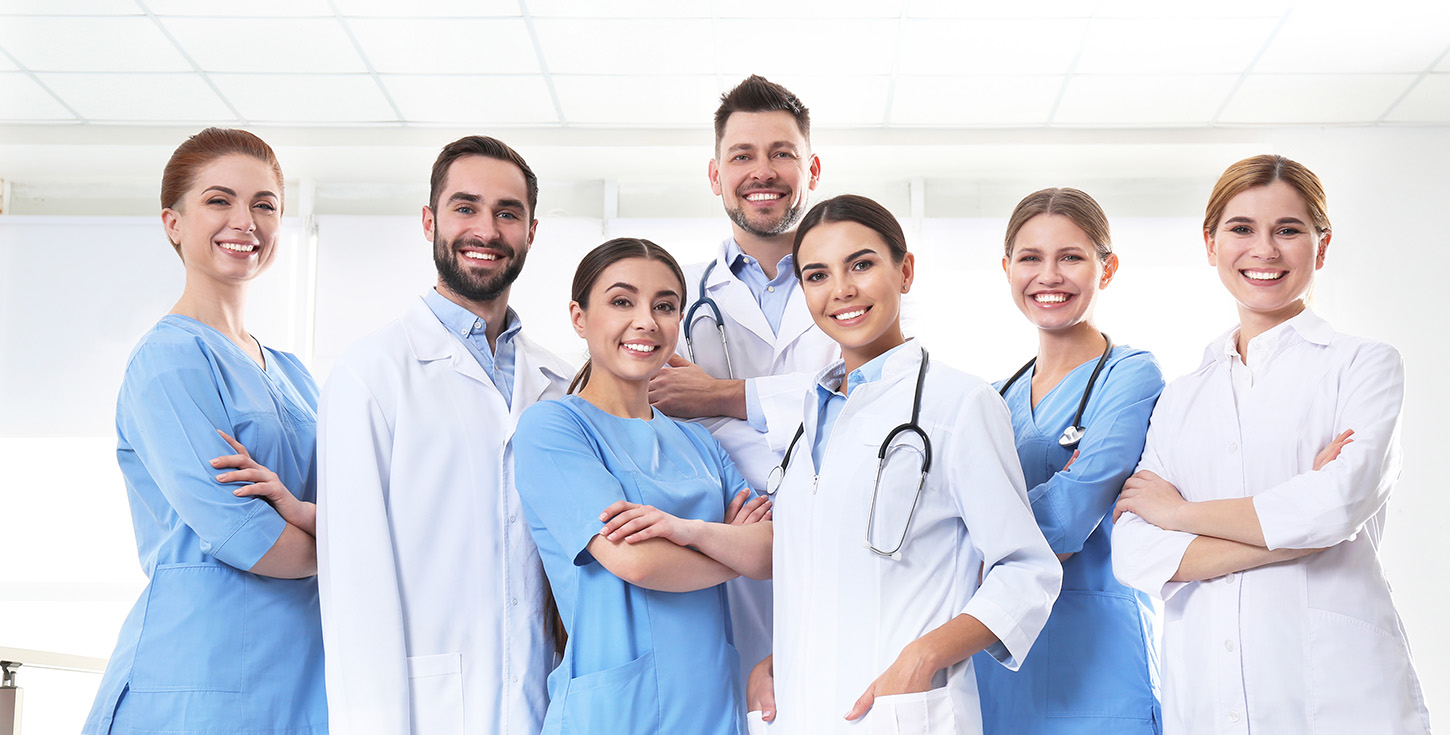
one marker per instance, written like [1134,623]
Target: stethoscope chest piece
[1075,431]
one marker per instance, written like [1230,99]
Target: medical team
[760,505]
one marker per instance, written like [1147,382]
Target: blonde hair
[1261,171]
[1074,204]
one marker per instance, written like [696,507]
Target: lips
[1050,299]
[763,197]
[850,314]
[1263,276]
[239,249]
[481,252]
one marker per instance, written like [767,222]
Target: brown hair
[758,94]
[852,208]
[593,265]
[1261,171]
[1074,204]
[199,150]
[479,145]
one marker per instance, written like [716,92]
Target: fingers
[615,508]
[863,705]
[677,361]
[732,511]
[1075,454]
[233,460]
[256,474]
[620,520]
[1119,509]
[633,526]
[758,510]
[270,491]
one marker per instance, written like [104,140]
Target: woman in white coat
[878,601]
[1264,548]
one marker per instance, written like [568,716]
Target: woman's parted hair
[593,265]
[1263,170]
[1075,204]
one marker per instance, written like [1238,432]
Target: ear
[1323,249]
[908,272]
[171,220]
[713,173]
[815,171]
[533,227]
[1211,247]
[1110,269]
[428,222]
[577,317]
[1006,270]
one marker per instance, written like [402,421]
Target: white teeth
[238,248]
[845,315]
[1263,276]
[471,255]
[1050,298]
[761,197]
[643,349]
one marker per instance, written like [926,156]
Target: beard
[473,286]
[785,224]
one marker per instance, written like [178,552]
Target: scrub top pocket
[625,696]
[1096,675]
[188,647]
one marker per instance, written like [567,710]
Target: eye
[1026,258]
[740,157]
[784,154]
[507,215]
[220,201]
[1289,231]
[815,276]
[1072,257]
[861,265]
[665,307]
[266,207]
[1240,229]
[620,302]
[463,209]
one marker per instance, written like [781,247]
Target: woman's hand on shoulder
[633,523]
[265,485]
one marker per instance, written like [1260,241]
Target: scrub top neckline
[1032,409]
[266,367]
[580,400]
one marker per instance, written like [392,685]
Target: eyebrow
[626,286]
[847,259]
[667,292]
[229,192]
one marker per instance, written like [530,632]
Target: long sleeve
[1145,557]
[362,616]
[780,403]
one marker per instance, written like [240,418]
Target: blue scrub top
[637,660]
[210,647]
[1094,669]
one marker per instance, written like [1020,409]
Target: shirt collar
[829,380]
[1308,325]
[736,259]
[463,322]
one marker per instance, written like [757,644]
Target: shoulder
[551,418]
[376,352]
[169,347]
[560,368]
[1135,366]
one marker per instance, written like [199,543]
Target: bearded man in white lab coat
[749,393]
[431,586]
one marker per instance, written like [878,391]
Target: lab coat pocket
[194,632]
[755,723]
[435,685]
[915,713]
[1097,658]
[623,700]
[1371,700]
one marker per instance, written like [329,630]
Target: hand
[634,523]
[265,485]
[743,513]
[1075,454]
[1152,498]
[684,390]
[1331,452]
[909,673]
[760,689]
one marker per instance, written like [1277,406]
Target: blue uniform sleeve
[168,413]
[1071,503]
[561,477]
[731,481]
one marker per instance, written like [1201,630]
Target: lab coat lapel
[430,341]
[530,380]
[796,320]
[736,301]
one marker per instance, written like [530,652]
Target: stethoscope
[714,308]
[777,475]
[1072,434]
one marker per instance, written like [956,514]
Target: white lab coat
[431,587]
[1310,646]
[842,613]
[783,367]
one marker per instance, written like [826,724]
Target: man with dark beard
[750,393]
[431,587]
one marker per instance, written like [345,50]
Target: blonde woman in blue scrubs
[1095,667]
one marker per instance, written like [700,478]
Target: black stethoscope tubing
[1074,433]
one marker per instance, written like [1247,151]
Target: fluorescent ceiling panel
[1364,41]
[812,9]
[1172,45]
[473,100]
[67,7]
[430,8]
[973,47]
[840,101]
[143,98]
[1428,102]
[1037,10]
[434,46]
[230,8]
[860,46]
[26,101]
[644,47]
[89,44]
[618,9]
[306,99]
[974,101]
[1143,99]
[297,46]
[638,102]
[1217,9]
[1329,98]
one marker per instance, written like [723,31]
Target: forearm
[293,556]
[659,564]
[745,549]
[948,644]
[1233,520]
[1209,557]
[727,398]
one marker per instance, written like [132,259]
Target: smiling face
[1054,272]
[852,288]
[228,222]
[481,230]
[1266,250]
[763,170]
[631,322]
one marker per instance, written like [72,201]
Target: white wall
[77,292]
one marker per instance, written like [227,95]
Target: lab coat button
[1229,578]
[1233,447]
[1228,646]
[1233,716]
[513,600]
[513,519]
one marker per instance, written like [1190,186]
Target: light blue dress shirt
[211,647]
[771,293]
[637,660]
[470,329]
[1094,669]
[830,400]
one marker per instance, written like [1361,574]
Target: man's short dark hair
[480,145]
[758,94]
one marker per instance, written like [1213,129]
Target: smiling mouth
[1264,275]
[237,247]
[848,315]
[474,255]
[641,349]
[764,196]
[1051,298]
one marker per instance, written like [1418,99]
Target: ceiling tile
[1172,45]
[298,46]
[974,101]
[1357,42]
[481,100]
[645,47]
[91,44]
[230,8]
[1143,99]
[140,98]
[433,46]
[67,7]
[1282,99]
[306,99]
[1038,9]
[638,102]
[860,46]
[814,10]
[962,47]
[618,9]
[26,101]
[1428,102]
[430,9]
[842,101]
[1216,9]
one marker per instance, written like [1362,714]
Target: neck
[1059,351]
[767,250]
[493,313]
[858,356]
[1254,323]
[219,306]
[626,399]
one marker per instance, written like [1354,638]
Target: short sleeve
[731,481]
[168,413]
[561,477]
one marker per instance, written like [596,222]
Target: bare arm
[946,645]
[294,556]
[744,547]
[1209,558]
[659,564]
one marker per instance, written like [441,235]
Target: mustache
[474,242]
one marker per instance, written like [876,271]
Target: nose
[1051,273]
[485,228]
[644,318]
[242,218]
[845,289]
[1263,246]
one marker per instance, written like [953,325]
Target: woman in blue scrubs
[226,636]
[629,509]
[1095,667]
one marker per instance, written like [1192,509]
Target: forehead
[839,239]
[761,129]
[1273,200]
[244,174]
[1050,231]
[490,178]
[649,276]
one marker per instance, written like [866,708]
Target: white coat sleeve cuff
[1145,557]
[754,412]
[781,399]
[1012,642]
